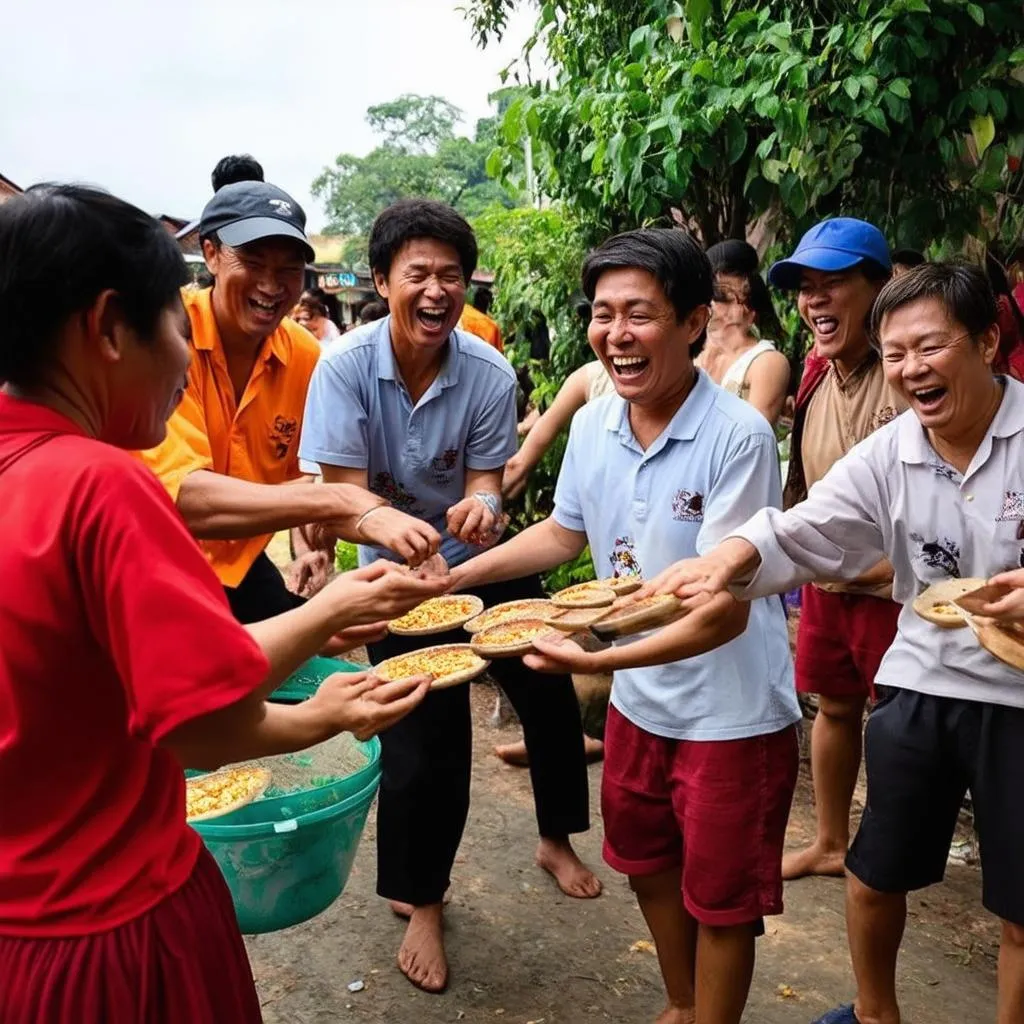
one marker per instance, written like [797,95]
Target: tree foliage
[909,113]
[420,155]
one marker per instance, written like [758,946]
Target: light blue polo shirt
[712,468]
[359,416]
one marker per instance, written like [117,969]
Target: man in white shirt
[700,755]
[939,492]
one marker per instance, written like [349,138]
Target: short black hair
[738,258]
[229,169]
[483,297]
[671,255]
[908,258]
[733,256]
[407,219]
[372,310]
[60,247]
[963,289]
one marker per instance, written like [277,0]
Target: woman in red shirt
[120,661]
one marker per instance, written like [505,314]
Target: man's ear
[380,282]
[211,255]
[106,330]
[989,344]
[697,321]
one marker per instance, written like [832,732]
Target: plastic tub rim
[270,829]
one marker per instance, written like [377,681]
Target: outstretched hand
[359,703]
[560,655]
[1009,608]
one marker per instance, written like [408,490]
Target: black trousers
[262,593]
[427,760]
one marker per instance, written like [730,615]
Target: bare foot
[813,860]
[515,753]
[574,878]
[421,957]
[404,910]
[677,1015]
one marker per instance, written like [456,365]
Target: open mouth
[264,310]
[825,326]
[629,366]
[432,318]
[929,399]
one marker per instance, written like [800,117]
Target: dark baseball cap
[839,243]
[248,211]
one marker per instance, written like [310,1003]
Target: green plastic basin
[306,679]
[283,872]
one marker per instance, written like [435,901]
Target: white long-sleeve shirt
[893,497]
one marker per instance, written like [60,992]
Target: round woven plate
[584,595]
[510,611]
[1005,642]
[258,781]
[622,585]
[638,616]
[425,662]
[449,611]
[495,642]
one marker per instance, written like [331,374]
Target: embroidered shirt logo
[442,466]
[943,555]
[623,558]
[688,507]
[1013,507]
[282,434]
[385,485]
[884,415]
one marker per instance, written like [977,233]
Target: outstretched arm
[768,377]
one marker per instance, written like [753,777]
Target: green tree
[715,113]
[420,155]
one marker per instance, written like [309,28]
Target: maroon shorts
[717,809]
[841,641]
[183,961]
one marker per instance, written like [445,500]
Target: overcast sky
[144,97]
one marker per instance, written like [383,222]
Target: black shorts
[922,754]
[262,593]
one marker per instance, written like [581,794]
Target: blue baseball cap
[835,244]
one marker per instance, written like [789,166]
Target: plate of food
[446,664]
[584,595]
[437,615]
[638,616]
[510,611]
[221,792]
[937,604]
[510,639]
[572,620]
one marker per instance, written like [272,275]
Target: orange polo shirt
[256,439]
[482,326]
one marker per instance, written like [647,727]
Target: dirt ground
[523,953]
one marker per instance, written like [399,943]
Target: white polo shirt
[712,467]
[892,496]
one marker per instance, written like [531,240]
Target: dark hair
[372,310]
[961,287]
[60,247]
[326,305]
[231,169]
[739,259]
[908,258]
[407,219]
[482,298]
[313,304]
[670,255]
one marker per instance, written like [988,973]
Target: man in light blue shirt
[701,753]
[424,416]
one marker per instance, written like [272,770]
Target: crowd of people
[153,438]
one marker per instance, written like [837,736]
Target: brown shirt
[840,414]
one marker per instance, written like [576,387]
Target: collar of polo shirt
[387,369]
[684,424]
[914,447]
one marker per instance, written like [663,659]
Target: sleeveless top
[599,383]
[735,378]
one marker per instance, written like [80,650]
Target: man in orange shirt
[230,459]
[475,319]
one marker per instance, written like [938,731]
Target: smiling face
[255,285]
[147,380]
[425,291]
[636,335]
[944,374]
[835,306]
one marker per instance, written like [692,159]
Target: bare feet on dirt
[574,878]
[813,860]
[515,753]
[404,910]
[421,957]
[677,1015]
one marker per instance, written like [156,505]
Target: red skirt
[182,961]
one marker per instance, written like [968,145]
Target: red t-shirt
[113,632]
